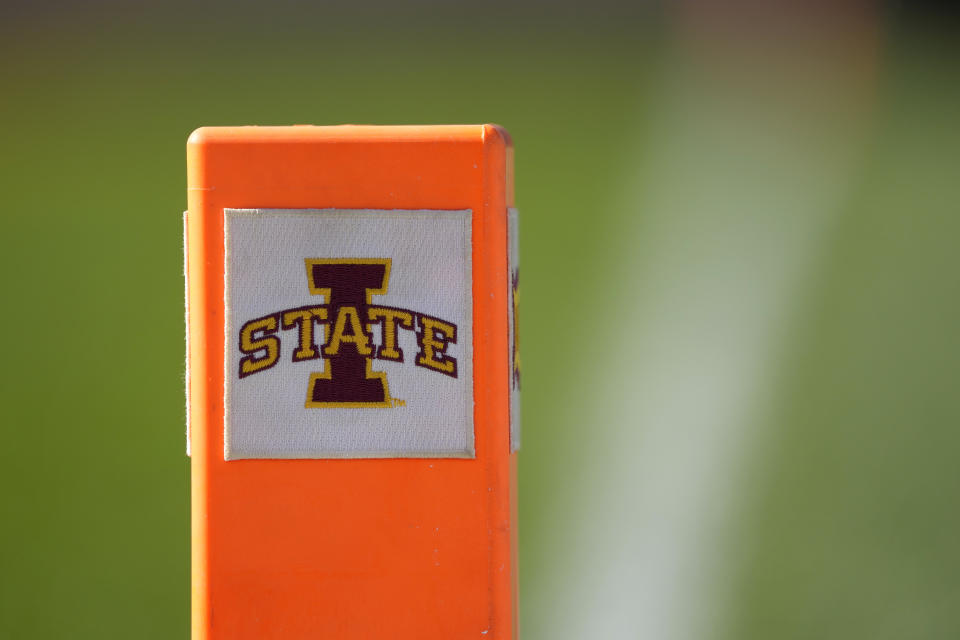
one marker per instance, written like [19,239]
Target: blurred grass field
[688,237]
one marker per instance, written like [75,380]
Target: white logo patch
[348,334]
[513,311]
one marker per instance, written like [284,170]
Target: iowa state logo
[350,318]
[348,333]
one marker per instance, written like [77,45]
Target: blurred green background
[741,297]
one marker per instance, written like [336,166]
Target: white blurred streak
[736,198]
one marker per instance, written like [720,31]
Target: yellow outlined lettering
[433,337]
[251,344]
[304,319]
[389,319]
[338,336]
